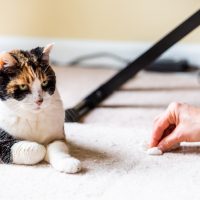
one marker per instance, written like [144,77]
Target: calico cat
[31,111]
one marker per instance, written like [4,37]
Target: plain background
[121,20]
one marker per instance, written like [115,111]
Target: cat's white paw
[68,165]
[27,153]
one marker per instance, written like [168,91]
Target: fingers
[169,141]
[161,124]
[169,130]
[164,121]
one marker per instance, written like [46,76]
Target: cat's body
[31,112]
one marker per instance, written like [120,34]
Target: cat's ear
[46,52]
[6,60]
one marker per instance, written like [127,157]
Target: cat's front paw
[68,165]
[27,153]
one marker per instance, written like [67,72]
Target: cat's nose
[39,102]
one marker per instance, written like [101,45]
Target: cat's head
[27,81]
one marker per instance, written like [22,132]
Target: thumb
[169,141]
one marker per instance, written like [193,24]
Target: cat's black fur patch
[6,142]
[38,52]
[51,86]
[19,94]
[4,80]
[5,77]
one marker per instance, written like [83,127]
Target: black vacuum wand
[92,100]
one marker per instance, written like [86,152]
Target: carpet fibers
[108,143]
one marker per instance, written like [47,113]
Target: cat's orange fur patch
[26,77]
[1,64]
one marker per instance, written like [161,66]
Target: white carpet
[109,146]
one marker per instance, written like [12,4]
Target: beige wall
[95,19]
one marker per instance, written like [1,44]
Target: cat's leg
[27,153]
[58,156]
[16,151]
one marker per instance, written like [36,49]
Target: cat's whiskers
[28,104]
[16,109]
[46,69]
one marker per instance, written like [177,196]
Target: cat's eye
[23,87]
[44,83]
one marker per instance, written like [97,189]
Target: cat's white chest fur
[42,127]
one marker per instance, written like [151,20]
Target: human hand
[179,123]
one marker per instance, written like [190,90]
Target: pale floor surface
[109,145]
